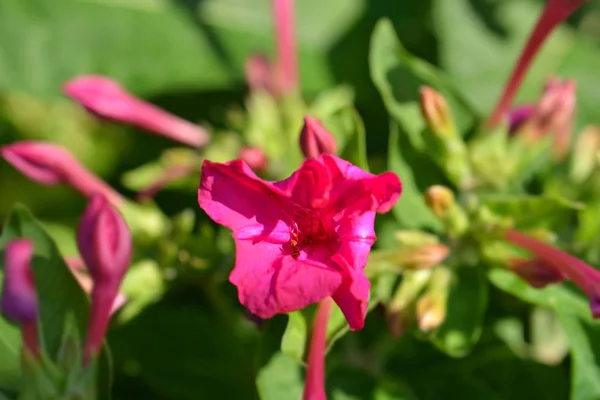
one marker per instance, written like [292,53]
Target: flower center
[310,227]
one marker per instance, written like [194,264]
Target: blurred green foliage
[185,336]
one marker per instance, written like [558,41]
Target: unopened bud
[258,71]
[432,306]
[50,164]
[439,199]
[315,139]
[517,116]
[105,245]
[585,157]
[415,238]
[424,257]
[19,300]
[535,271]
[436,112]
[255,157]
[106,98]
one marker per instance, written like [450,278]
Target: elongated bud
[50,164]
[286,65]
[424,257]
[436,112]
[19,300]
[105,244]
[445,145]
[583,275]
[586,154]
[314,387]
[106,98]
[431,307]
[535,271]
[259,75]
[555,12]
[315,139]
[401,309]
[255,157]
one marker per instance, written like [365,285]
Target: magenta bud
[50,164]
[19,300]
[537,272]
[255,157]
[105,245]
[595,305]
[104,242]
[315,139]
[107,99]
[518,115]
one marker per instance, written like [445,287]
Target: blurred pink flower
[555,12]
[105,244]
[19,299]
[584,276]
[301,239]
[537,272]
[50,164]
[106,98]
[285,69]
[315,139]
[255,157]
[552,115]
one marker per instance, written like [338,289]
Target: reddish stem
[102,301]
[314,387]
[555,12]
[30,337]
[286,64]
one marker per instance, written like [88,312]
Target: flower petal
[233,196]
[353,296]
[270,282]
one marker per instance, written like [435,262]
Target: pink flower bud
[107,99]
[105,245]
[315,139]
[537,272]
[259,73]
[19,300]
[436,112]
[50,164]
[517,117]
[255,157]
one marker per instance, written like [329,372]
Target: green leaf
[355,149]
[549,297]
[143,285]
[467,303]
[528,210]
[585,383]
[399,75]
[293,341]
[410,210]
[202,45]
[280,379]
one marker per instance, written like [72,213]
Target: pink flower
[19,299]
[583,275]
[107,99]
[315,139]
[555,12]
[105,244]
[301,239]
[50,164]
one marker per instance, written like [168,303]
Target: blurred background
[188,56]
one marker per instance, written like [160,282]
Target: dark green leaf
[467,303]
